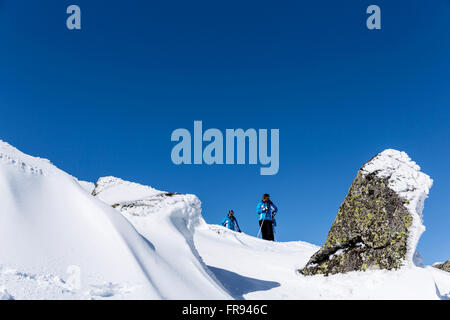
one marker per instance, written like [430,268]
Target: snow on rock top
[112,190]
[137,200]
[382,210]
[406,179]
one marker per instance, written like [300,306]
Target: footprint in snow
[108,290]
[5,295]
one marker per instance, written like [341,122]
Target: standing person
[230,222]
[267,211]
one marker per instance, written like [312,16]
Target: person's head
[266,197]
[231,213]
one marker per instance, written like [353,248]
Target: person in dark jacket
[230,222]
[266,210]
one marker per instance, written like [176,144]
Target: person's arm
[224,222]
[259,208]
[237,225]
[275,209]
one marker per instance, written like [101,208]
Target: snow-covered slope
[52,230]
[251,268]
[134,242]
[168,221]
[48,223]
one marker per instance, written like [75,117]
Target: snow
[257,269]
[169,223]
[49,223]
[405,178]
[114,190]
[88,186]
[4,295]
[57,241]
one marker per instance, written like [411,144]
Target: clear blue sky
[104,100]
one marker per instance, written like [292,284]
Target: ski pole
[273,231]
[260,227]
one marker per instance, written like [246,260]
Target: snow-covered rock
[443,265]
[405,178]
[379,222]
[115,190]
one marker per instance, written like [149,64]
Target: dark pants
[266,229]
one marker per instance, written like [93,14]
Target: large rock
[379,222]
[443,266]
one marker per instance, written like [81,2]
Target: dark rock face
[369,232]
[443,266]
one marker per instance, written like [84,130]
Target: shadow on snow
[438,292]
[238,285]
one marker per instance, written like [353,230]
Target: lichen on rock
[379,222]
[443,266]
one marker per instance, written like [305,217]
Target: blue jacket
[231,224]
[266,215]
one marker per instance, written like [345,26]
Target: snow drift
[168,221]
[49,223]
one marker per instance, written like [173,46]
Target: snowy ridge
[13,157]
[159,217]
[115,190]
[136,200]
[88,186]
[404,177]
[49,225]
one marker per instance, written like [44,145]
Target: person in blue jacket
[266,210]
[230,222]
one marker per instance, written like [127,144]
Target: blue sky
[104,100]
